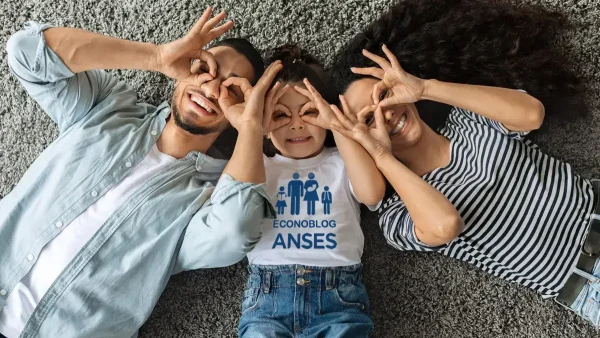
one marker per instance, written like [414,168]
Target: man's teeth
[201,103]
[400,125]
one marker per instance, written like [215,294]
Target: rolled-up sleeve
[65,96]
[227,228]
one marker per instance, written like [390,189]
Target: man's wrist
[154,58]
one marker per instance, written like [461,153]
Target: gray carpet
[412,295]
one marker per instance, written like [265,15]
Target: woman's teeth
[400,125]
[201,103]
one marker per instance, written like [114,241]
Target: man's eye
[382,95]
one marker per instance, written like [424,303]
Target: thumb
[224,99]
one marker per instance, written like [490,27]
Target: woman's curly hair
[482,42]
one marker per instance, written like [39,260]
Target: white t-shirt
[318,217]
[59,252]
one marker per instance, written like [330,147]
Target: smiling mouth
[400,126]
[298,140]
[200,105]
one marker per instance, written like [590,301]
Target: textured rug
[412,295]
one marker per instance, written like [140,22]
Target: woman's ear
[268,136]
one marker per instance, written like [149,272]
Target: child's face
[296,139]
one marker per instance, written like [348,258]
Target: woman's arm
[516,110]
[435,219]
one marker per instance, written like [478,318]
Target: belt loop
[329,279]
[266,282]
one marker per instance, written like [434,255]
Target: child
[305,272]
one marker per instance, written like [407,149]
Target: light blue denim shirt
[178,220]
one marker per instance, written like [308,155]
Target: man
[125,196]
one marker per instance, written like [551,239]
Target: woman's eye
[369,119]
[382,95]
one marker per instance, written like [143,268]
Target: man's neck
[177,142]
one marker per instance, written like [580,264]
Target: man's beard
[191,128]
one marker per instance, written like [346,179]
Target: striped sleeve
[398,227]
[482,120]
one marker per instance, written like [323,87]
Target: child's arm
[367,182]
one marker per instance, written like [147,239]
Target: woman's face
[296,139]
[402,122]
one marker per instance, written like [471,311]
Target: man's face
[195,105]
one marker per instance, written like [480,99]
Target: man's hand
[174,59]
[250,112]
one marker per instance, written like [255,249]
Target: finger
[303,91]
[314,120]
[370,71]
[225,100]
[341,118]
[346,108]
[269,75]
[269,103]
[241,82]
[274,125]
[382,62]
[216,32]
[209,58]
[378,88]
[391,57]
[346,133]
[280,93]
[317,98]
[379,120]
[197,28]
[210,24]
[195,78]
[390,101]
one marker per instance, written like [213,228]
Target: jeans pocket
[352,295]
[251,300]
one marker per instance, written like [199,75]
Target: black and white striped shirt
[525,212]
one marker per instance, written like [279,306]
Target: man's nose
[211,89]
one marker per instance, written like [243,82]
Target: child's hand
[324,117]
[375,140]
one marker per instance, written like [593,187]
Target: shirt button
[59,224]
[300,271]
[300,281]
[2,292]
[128,164]
[94,193]
[153,133]
[30,257]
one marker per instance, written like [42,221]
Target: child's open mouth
[298,140]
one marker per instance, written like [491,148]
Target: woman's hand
[396,85]
[174,59]
[251,112]
[375,140]
[326,117]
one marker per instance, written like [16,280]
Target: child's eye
[311,112]
[279,115]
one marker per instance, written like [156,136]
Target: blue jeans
[587,304]
[303,301]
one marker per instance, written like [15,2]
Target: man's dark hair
[245,47]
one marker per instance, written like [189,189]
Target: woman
[466,182]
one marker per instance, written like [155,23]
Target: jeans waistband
[280,276]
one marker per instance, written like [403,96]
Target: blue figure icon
[326,199]
[281,203]
[295,191]
[311,196]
